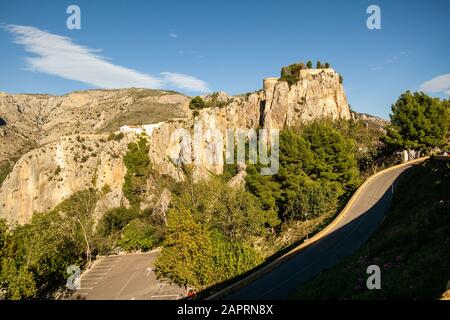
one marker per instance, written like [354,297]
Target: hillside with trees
[214,232]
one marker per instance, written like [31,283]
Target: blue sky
[194,46]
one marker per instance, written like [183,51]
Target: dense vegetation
[213,233]
[411,246]
[212,101]
[291,73]
[210,229]
[138,166]
[35,256]
[318,166]
[213,229]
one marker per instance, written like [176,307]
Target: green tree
[333,155]
[115,220]
[327,65]
[417,122]
[317,167]
[187,251]
[78,215]
[291,73]
[138,166]
[197,103]
[231,211]
[231,259]
[37,255]
[18,280]
[319,65]
[309,65]
[137,235]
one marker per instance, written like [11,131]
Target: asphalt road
[125,277]
[363,217]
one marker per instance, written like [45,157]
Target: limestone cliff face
[318,94]
[36,120]
[68,162]
[44,177]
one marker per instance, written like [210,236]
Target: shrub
[291,73]
[115,220]
[116,136]
[197,103]
[138,166]
[137,235]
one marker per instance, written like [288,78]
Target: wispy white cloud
[60,56]
[437,84]
[185,81]
[388,61]
[173,35]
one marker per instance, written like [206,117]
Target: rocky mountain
[70,149]
[31,120]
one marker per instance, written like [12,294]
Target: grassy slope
[412,247]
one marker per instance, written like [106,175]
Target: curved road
[363,215]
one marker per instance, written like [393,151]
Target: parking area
[125,277]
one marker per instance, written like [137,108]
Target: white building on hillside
[146,128]
[131,129]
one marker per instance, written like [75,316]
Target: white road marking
[123,288]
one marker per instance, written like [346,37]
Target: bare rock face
[44,177]
[70,154]
[239,179]
[317,94]
[41,119]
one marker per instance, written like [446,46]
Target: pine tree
[417,122]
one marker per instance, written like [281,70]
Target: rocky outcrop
[317,94]
[74,156]
[44,177]
[36,120]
